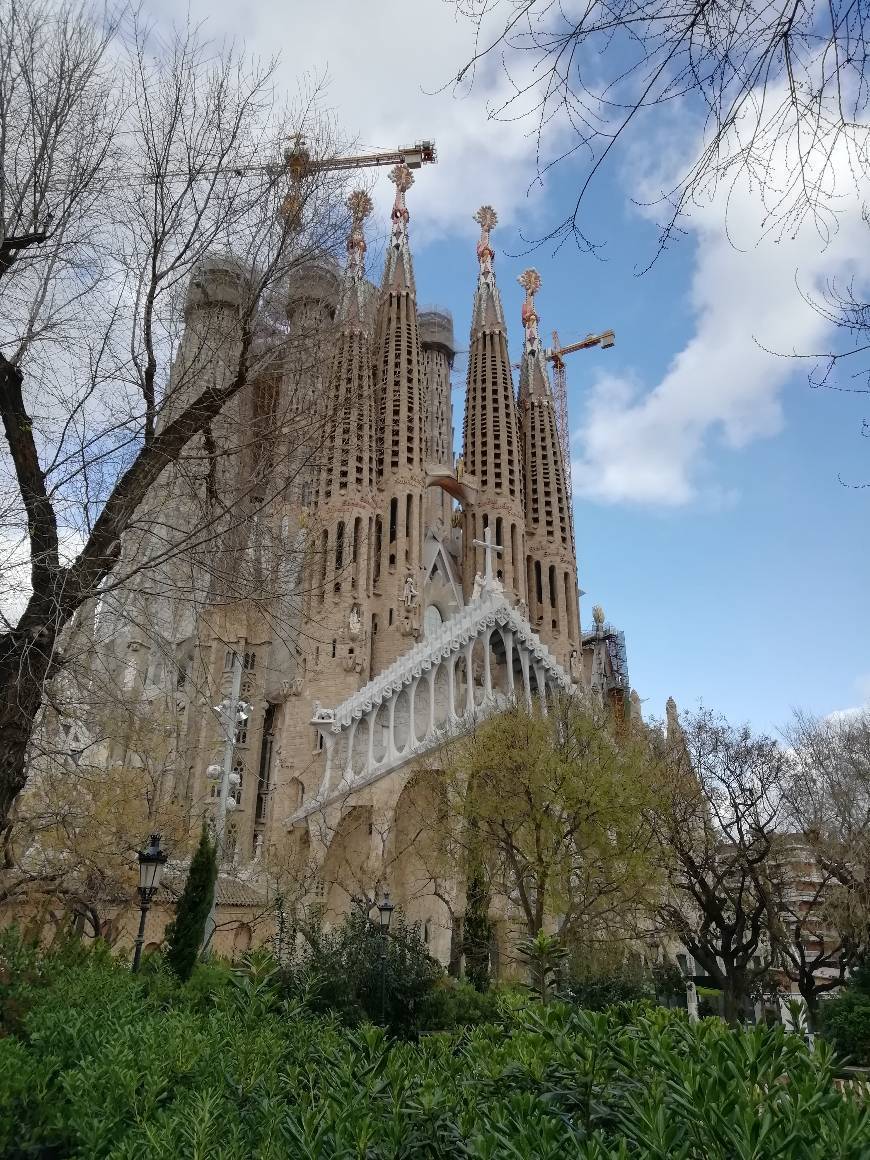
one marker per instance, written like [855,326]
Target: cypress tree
[185,934]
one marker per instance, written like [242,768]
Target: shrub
[451,1005]
[356,971]
[845,1022]
[599,990]
[103,1068]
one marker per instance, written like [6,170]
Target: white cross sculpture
[489,548]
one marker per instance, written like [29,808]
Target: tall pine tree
[185,934]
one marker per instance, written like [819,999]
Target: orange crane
[555,355]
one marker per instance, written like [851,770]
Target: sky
[711,520]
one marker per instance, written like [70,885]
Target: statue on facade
[354,623]
[575,668]
[523,609]
[409,592]
[460,467]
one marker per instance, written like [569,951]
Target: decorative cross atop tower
[487,219]
[360,205]
[530,280]
[490,549]
[402,177]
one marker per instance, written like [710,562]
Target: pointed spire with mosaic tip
[399,363]
[534,376]
[492,449]
[398,268]
[548,516]
[352,302]
[487,312]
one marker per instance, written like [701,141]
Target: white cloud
[650,444]
[386,62]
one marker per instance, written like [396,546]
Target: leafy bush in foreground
[98,1063]
[845,1020]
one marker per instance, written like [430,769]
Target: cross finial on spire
[530,280]
[487,219]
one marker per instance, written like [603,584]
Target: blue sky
[710,521]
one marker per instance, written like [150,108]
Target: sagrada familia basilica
[419,589]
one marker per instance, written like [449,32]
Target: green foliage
[597,989]
[185,934]
[356,970]
[103,1066]
[451,1005]
[845,1021]
[477,933]
[545,957]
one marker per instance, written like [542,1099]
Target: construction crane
[300,164]
[556,355]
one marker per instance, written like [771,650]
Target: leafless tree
[716,817]
[828,801]
[130,163]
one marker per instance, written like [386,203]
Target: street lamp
[385,913]
[151,863]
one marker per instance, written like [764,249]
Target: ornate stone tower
[439,348]
[551,563]
[398,531]
[491,443]
[334,642]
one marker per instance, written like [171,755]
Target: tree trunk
[732,1004]
[24,666]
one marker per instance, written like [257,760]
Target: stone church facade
[407,591]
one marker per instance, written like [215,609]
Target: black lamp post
[151,863]
[385,913]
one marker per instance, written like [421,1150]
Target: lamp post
[385,913]
[231,712]
[151,863]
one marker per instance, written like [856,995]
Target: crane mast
[555,355]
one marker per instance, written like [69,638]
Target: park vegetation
[95,1062]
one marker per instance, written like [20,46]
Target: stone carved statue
[460,467]
[354,623]
[523,609]
[478,586]
[575,667]
[409,592]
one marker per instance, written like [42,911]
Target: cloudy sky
[711,522]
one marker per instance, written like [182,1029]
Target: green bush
[103,1067]
[619,984]
[356,972]
[845,1021]
[451,1005]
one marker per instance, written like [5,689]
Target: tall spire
[398,269]
[488,313]
[398,539]
[552,578]
[533,369]
[349,454]
[491,432]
